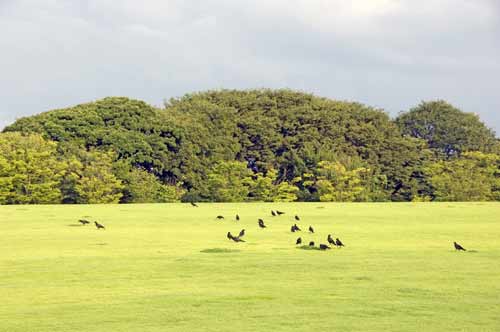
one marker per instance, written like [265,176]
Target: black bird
[261,223]
[458,247]
[98,225]
[311,244]
[330,240]
[242,233]
[273,213]
[324,247]
[237,239]
[297,217]
[311,230]
[292,229]
[194,204]
[83,221]
[220,217]
[237,218]
[234,238]
[279,213]
[297,228]
[299,241]
[339,243]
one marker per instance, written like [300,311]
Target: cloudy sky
[391,54]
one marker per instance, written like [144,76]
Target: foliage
[473,177]
[264,188]
[229,181]
[264,145]
[30,170]
[447,129]
[144,187]
[97,184]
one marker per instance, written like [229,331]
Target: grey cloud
[389,54]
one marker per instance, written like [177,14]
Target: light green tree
[336,183]
[229,181]
[473,177]
[265,188]
[97,184]
[29,170]
[144,187]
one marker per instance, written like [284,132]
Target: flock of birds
[294,228]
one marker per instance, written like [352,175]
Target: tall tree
[447,129]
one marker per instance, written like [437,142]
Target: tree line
[252,145]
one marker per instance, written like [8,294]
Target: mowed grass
[170,267]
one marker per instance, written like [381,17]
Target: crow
[242,233]
[297,217]
[292,229]
[237,218]
[273,213]
[458,247]
[220,217]
[297,228]
[299,241]
[234,238]
[261,223]
[237,239]
[98,225]
[330,240]
[279,213]
[311,230]
[83,221]
[339,243]
[324,247]
[194,204]
[311,244]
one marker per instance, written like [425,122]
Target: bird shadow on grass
[363,278]
[309,248]
[219,251]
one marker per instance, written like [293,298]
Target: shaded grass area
[170,267]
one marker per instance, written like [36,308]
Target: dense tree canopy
[447,129]
[266,145]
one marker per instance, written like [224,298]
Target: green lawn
[148,270]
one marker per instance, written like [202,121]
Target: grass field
[170,267]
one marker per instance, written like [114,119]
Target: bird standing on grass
[261,223]
[324,247]
[194,204]
[458,247]
[242,233]
[273,213]
[311,244]
[234,238]
[339,243]
[99,226]
[220,217]
[279,213]
[297,229]
[292,229]
[299,241]
[311,230]
[237,218]
[83,221]
[297,217]
[331,240]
